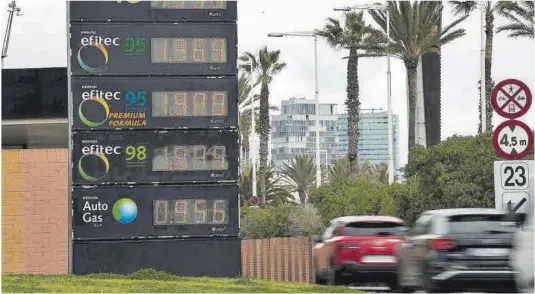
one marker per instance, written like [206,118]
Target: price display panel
[157,211]
[137,11]
[154,103]
[155,157]
[206,49]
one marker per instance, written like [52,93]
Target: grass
[151,281]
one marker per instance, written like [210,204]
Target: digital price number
[190,211]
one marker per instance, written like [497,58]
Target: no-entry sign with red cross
[511,98]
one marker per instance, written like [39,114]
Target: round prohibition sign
[511,98]
[512,139]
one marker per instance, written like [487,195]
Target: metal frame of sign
[97,212]
[496,139]
[121,158]
[92,58]
[102,103]
[137,11]
[498,88]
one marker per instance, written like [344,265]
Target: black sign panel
[154,49]
[155,157]
[158,211]
[154,103]
[138,11]
[218,257]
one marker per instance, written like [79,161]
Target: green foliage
[284,220]
[359,197]
[152,281]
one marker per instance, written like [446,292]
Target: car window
[328,232]
[373,229]
[479,223]
[421,225]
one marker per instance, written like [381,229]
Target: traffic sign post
[513,140]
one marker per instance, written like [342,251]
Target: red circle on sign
[499,110]
[496,140]
[254,200]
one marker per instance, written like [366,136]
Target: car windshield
[373,229]
[480,223]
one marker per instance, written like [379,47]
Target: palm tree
[520,16]
[354,35]
[276,192]
[490,9]
[341,171]
[263,67]
[299,172]
[415,30]
[380,173]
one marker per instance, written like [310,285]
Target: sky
[39,39]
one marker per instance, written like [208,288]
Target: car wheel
[334,278]
[429,285]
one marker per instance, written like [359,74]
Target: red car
[359,249]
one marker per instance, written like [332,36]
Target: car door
[411,249]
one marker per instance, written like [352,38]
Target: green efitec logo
[94,165]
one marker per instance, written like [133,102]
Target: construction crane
[12,9]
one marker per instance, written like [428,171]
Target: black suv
[454,249]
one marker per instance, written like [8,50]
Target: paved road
[380,289]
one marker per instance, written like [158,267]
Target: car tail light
[441,244]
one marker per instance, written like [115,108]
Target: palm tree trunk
[489,35]
[302,196]
[353,110]
[264,137]
[411,67]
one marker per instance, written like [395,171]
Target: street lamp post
[316,93]
[390,139]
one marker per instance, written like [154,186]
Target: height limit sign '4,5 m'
[513,139]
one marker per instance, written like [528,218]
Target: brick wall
[34,211]
[34,223]
[278,259]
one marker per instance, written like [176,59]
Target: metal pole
[483,88]
[12,8]
[316,94]
[253,145]
[390,139]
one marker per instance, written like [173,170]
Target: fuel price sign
[155,157]
[154,49]
[153,212]
[154,103]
